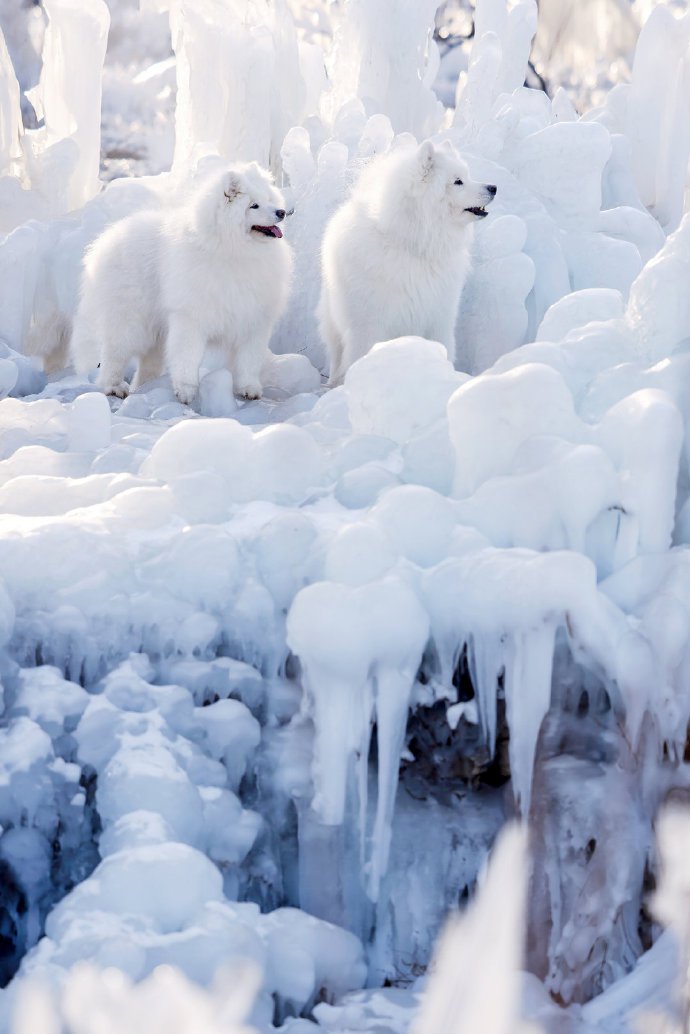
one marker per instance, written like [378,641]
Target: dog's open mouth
[479,211]
[268,231]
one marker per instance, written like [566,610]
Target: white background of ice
[203,614]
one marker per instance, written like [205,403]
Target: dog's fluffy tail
[49,340]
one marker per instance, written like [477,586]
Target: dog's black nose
[492,189]
[280,214]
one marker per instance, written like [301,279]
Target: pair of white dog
[159,287]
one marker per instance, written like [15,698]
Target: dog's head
[444,180]
[243,199]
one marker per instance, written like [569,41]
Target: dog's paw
[186,393]
[119,391]
[249,392]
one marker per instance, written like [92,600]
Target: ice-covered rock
[570,956]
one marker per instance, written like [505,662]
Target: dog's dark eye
[253,206]
[458,183]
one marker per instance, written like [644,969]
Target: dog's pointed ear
[264,173]
[426,155]
[447,147]
[231,186]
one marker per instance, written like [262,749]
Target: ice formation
[240,86]
[275,674]
[388,63]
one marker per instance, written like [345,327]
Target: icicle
[486,660]
[529,664]
[392,701]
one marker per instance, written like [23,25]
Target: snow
[469,947]
[275,674]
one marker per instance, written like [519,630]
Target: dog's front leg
[250,357]
[185,347]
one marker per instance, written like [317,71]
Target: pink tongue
[274,231]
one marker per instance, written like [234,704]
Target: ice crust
[225,634]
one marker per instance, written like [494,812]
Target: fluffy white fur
[49,339]
[163,285]
[395,256]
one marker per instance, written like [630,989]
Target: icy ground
[275,674]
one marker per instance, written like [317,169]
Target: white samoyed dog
[161,286]
[395,256]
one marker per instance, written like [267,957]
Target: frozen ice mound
[49,700]
[424,378]
[280,463]
[577,310]
[172,839]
